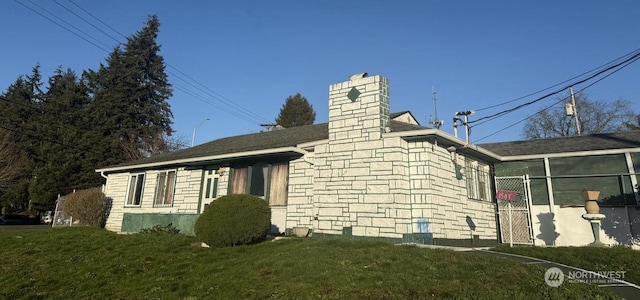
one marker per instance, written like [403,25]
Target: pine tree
[68,160]
[296,111]
[131,95]
[20,107]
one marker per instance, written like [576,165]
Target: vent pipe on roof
[358,76]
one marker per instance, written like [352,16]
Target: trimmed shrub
[86,206]
[232,220]
[169,229]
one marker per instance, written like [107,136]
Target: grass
[618,258]
[83,263]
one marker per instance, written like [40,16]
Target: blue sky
[251,55]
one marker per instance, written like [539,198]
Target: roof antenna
[437,123]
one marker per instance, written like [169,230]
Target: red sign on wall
[506,195]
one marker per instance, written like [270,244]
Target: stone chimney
[358,109]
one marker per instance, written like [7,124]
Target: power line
[204,100]
[83,19]
[548,88]
[219,98]
[555,103]
[630,59]
[99,20]
[63,27]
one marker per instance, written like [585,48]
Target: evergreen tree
[68,160]
[296,111]
[21,108]
[131,95]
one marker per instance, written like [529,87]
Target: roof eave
[205,159]
[445,140]
[568,154]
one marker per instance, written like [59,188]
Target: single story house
[369,173]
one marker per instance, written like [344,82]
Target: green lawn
[85,263]
[619,258]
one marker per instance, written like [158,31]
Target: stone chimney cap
[358,76]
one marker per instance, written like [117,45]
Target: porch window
[165,187]
[239,180]
[279,184]
[134,192]
[477,180]
[268,181]
[259,176]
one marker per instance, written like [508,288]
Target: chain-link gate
[60,216]
[514,214]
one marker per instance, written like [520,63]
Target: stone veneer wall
[440,203]
[361,181]
[300,194]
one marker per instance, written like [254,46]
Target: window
[477,180]
[259,175]
[268,181]
[165,187]
[279,184]
[136,184]
[210,190]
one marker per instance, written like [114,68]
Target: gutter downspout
[104,186]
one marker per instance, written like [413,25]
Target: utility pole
[268,126]
[575,111]
[465,123]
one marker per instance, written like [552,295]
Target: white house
[371,174]
[362,174]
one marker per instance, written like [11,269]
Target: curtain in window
[160,188]
[171,182]
[279,184]
[239,181]
[132,190]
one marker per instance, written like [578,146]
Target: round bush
[231,220]
[86,206]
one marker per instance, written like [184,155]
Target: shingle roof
[397,114]
[604,141]
[287,137]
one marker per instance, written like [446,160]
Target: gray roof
[603,141]
[397,114]
[279,138]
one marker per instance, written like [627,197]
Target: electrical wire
[555,85]
[83,19]
[216,96]
[633,58]
[555,103]
[103,23]
[199,86]
[63,27]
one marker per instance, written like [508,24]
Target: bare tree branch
[595,116]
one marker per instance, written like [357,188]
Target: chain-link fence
[512,195]
[60,217]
